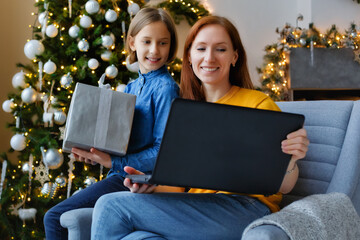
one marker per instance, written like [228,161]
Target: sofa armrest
[78,223]
[265,232]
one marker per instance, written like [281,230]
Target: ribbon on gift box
[104,109]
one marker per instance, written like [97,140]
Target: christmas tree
[73,41]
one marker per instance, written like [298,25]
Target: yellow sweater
[254,99]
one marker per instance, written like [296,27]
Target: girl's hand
[137,187]
[296,144]
[92,157]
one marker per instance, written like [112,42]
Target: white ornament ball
[132,67]
[93,63]
[50,67]
[33,48]
[77,191]
[53,158]
[83,45]
[107,41]
[61,181]
[8,105]
[51,31]
[106,55]
[92,6]
[42,18]
[111,16]
[25,167]
[74,31]
[66,80]
[133,8]
[29,95]
[18,80]
[302,41]
[85,21]
[111,71]
[59,117]
[89,181]
[121,87]
[18,142]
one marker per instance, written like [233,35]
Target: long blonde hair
[190,84]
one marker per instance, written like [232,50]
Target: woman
[214,70]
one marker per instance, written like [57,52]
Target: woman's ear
[236,56]
[132,43]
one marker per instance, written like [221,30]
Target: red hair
[190,85]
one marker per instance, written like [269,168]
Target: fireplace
[324,74]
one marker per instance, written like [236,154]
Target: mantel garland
[274,72]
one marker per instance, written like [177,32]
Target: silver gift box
[99,118]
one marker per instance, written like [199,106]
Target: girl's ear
[132,43]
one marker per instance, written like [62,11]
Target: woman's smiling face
[212,54]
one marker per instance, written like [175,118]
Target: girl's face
[152,46]
[212,54]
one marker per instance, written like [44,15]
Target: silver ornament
[50,67]
[111,71]
[46,189]
[33,48]
[29,95]
[133,8]
[42,18]
[18,80]
[105,56]
[51,31]
[92,7]
[83,45]
[120,88]
[85,21]
[61,181]
[74,31]
[80,188]
[302,41]
[8,105]
[53,158]
[93,63]
[25,167]
[111,16]
[18,142]
[66,80]
[89,181]
[353,34]
[59,117]
[132,67]
[107,41]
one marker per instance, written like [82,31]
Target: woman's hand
[93,157]
[296,144]
[136,187]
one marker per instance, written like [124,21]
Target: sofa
[332,164]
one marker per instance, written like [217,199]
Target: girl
[151,41]
[214,70]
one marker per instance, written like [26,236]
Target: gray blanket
[321,217]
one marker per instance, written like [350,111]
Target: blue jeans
[132,216]
[84,199]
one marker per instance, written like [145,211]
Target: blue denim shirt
[154,92]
